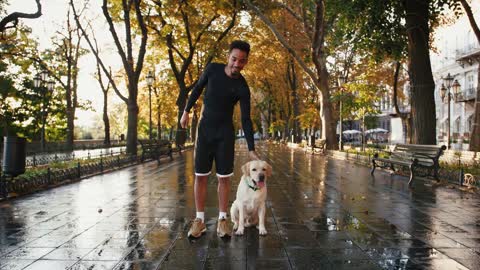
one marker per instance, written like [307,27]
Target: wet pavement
[321,214]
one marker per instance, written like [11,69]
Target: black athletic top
[220,98]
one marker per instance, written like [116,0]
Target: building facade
[457,49]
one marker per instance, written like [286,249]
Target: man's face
[237,59]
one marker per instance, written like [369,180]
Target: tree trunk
[106,121]
[326,110]
[181,135]
[423,102]
[132,135]
[159,121]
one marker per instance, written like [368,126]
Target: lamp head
[443,91]
[456,87]
[341,80]
[448,80]
[37,80]
[150,78]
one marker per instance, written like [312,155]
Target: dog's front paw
[235,226]
[239,231]
[262,231]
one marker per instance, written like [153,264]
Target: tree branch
[471,18]
[285,44]
[13,17]
[95,52]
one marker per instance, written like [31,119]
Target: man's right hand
[184,119]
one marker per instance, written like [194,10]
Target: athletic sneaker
[197,228]
[222,228]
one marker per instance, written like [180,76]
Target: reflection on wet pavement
[321,214]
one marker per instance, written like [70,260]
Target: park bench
[154,149]
[414,156]
[317,147]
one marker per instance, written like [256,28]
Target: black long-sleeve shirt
[221,95]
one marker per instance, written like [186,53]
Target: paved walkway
[322,214]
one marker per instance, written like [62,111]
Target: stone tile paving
[322,214]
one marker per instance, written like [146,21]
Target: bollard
[79,169]
[48,175]
[461,177]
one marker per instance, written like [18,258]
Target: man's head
[238,56]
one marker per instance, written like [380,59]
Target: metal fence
[26,183]
[35,160]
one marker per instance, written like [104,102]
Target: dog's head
[258,171]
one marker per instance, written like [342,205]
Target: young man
[225,86]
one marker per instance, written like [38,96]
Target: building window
[457,125]
[469,81]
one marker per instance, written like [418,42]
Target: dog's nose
[261,177]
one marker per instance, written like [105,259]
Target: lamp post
[446,96]
[40,81]
[341,81]
[150,79]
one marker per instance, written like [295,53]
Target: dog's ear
[269,169]
[246,169]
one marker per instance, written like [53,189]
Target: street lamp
[341,81]
[150,79]
[40,81]
[446,96]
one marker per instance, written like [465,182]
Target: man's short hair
[241,45]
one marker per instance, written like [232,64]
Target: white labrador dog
[249,206]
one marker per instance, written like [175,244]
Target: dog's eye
[254,169]
[263,169]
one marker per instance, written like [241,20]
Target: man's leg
[200,192]
[223,191]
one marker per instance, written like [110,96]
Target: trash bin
[14,154]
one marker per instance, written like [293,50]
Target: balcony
[467,95]
[467,55]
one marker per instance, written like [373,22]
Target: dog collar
[254,188]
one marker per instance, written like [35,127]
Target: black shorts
[214,143]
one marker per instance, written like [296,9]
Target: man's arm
[196,92]
[247,124]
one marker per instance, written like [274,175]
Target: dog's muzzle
[261,177]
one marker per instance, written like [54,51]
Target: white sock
[222,215]
[201,215]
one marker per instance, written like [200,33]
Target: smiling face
[237,59]
[258,171]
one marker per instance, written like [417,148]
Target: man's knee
[201,179]
[223,180]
